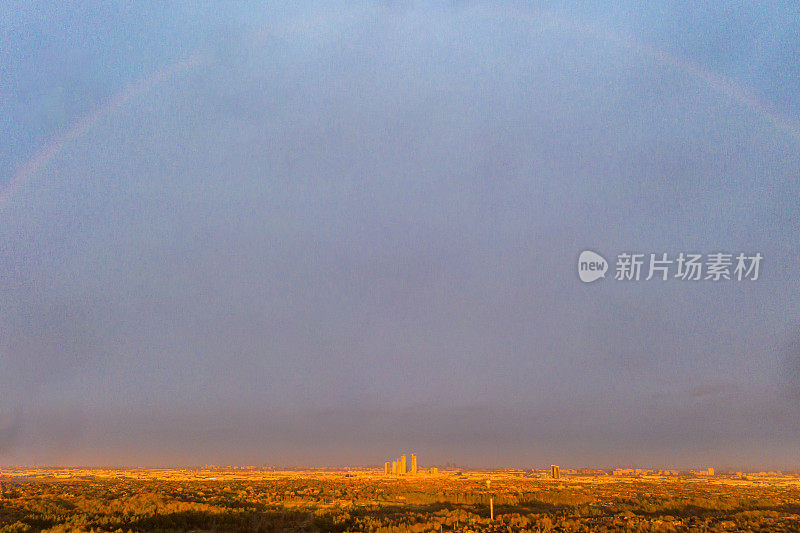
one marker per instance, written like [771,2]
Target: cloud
[322,248]
[789,365]
[713,389]
[10,423]
[47,342]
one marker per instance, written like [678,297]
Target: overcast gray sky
[331,233]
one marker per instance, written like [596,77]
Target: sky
[329,234]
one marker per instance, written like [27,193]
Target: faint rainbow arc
[52,148]
[718,82]
[721,84]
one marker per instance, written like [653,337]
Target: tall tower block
[387,467]
[555,472]
[413,463]
[403,468]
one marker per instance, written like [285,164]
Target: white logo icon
[591,266]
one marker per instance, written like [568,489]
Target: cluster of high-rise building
[399,466]
[653,472]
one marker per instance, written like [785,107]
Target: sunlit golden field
[367,500]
